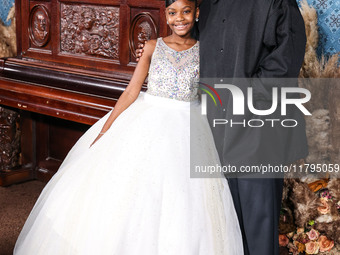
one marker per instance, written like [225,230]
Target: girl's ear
[166,15]
[197,12]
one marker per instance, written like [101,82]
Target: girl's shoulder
[149,47]
[152,42]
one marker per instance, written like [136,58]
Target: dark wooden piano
[75,57]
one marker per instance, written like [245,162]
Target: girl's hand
[95,140]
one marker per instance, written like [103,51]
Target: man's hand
[140,50]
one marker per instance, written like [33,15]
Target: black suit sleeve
[284,43]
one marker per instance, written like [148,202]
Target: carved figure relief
[90,30]
[39,27]
[142,28]
[9,139]
[144,32]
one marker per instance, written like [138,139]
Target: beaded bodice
[174,74]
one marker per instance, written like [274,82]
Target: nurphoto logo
[238,103]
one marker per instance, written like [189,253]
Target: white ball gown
[131,192]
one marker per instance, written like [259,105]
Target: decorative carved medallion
[9,139]
[39,26]
[143,28]
[90,30]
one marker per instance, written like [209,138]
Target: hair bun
[170,2]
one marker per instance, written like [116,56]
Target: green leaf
[311,222]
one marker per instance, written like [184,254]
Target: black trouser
[258,204]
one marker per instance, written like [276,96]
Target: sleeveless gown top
[176,75]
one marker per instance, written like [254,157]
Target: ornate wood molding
[143,28]
[39,25]
[9,139]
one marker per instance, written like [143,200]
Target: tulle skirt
[131,192]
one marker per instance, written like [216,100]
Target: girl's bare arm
[133,89]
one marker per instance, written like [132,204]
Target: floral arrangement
[310,215]
[320,235]
[311,242]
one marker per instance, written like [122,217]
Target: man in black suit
[255,39]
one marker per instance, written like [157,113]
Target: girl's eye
[171,13]
[187,11]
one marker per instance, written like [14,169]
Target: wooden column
[16,161]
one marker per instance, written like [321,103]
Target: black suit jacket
[253,39]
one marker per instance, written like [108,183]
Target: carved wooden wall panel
[93,34]
[90,30]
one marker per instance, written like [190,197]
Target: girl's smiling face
[181,16]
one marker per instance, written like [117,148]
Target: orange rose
[300,246]
[325,244]
[283,240]
[312,247]
[300,230]
[324,209]
[313,234]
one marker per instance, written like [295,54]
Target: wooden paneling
[75,58]
[90,34]
[59,103]
[54,139]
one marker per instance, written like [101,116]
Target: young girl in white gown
[125,186]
